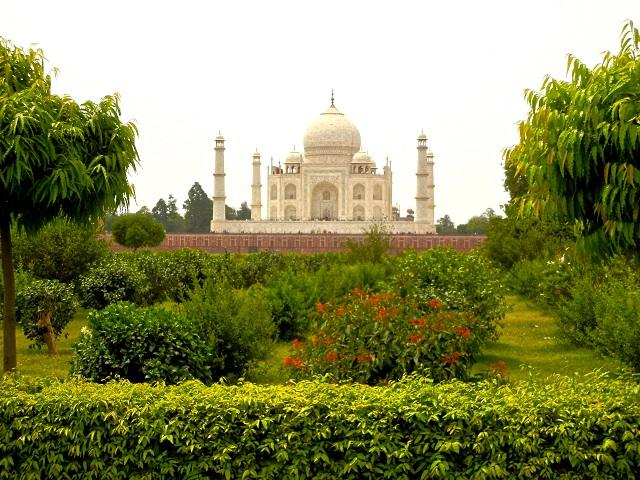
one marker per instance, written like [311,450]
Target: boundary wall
[305,243]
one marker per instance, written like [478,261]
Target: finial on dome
[332,104]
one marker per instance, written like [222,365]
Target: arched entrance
[324,202]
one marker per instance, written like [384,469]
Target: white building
[333,187]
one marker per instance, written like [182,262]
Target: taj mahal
[334,186]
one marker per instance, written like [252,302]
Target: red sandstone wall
[305,243]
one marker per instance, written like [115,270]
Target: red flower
[363,357]
[339,311]
[320,307]
[463,332]
[331,356]
[373,300]
[315,340]
[435,303]
[382,313]
[416,339]
[437,326]
[451,359]
[417,322]
[296,343]
[500,364]
[327,341]
[292,362]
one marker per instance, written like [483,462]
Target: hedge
[411,429]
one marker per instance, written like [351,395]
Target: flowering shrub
[372,338]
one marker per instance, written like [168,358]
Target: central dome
[331,134]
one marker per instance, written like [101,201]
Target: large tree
[57,157]
[175,221]
[579,149]
[137,230]
[198,210]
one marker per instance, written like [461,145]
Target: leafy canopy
[137,230]
[580,149]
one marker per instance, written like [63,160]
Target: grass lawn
[530,344]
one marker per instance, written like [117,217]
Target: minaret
[218,183]
[256,205]
[424,183]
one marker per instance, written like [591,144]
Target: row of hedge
[411,429]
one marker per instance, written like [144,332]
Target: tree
[410,214]
[479,224]
[161,212]
[137,230]
[198,210]
[579,149]
[244,213]
[175,221]
[229,213]
[445,225]
[61,250]
[58,158]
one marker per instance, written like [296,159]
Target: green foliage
[115,279]
[237,323]
[198,210]
[580,149]
[412,429]
[375,247]
[477,225]
[374,338]
[142,345]
[44,297]
[293,296]
[600,310]
[137,230]
[62,250]
[445,226]
[465,282]
[58,158]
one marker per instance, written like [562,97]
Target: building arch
[290,192]
[274,213]
[358,192]
[358,212]
[290,212]
[377,192]
[324,201]
[274,192]
[377,213]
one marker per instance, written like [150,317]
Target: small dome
[361,157]
[294,157]
[422,136]
[331,133]
[220,137]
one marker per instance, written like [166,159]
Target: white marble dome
[362,157]
[332,133]
[294,157]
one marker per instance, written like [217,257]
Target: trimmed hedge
[412,429]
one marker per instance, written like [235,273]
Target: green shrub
[374,247]
[142,345]
[236,323]
[463,281]
[412,429]
[137,230]
[44,303]
[115,279]
[61,250]
[293,296]
[373,338]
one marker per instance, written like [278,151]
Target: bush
[44,307]
[373,338]
[463,281]
[373,249]
[236,323]
[115,279]
[142,345]
[412,429]
[137,230]
[293,296]
[61,250]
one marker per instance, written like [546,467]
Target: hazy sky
[261,71]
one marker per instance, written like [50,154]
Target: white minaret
[219,197]
[256,204]
[424,183]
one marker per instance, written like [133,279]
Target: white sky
[261,71]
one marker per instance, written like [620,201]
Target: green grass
[34,362]
[532,344]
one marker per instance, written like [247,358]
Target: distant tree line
[198,212]
[476,225]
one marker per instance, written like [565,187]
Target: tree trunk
[8,278]
[49,337]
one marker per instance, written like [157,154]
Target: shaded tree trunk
[8,278]
[48,336]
